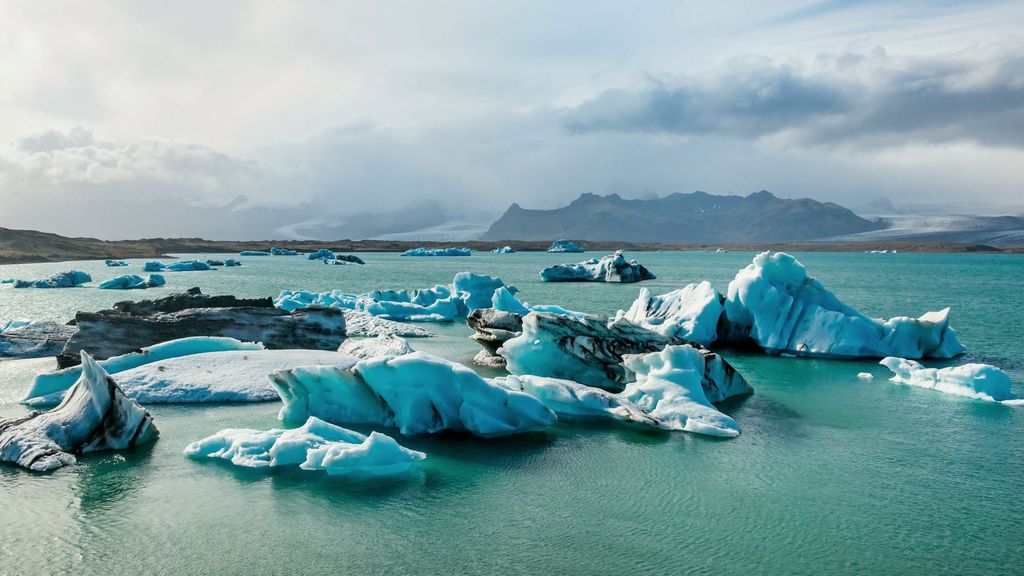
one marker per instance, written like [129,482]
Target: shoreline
[29,246]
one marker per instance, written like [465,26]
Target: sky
[276,119]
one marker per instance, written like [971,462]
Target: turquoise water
[832,475]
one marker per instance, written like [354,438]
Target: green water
[832,475]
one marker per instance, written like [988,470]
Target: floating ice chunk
[574,401]
[417,393]
[291,300]
[14,325]
[504,300]
[348,258]
[438,252]
[478,289]
[363,324]
[564,246]
[253,253]
[228,376]
[777,305]
[231,262]
[214,262]
[116,262]
[437,304]
[48,388]
[321,254]
[275,251]
[670,387]
[188,266]
[70,279]
[613,268]
[95,416]
[980,381]
[690,313]
[154,266]
[383,346]
[133,282]
[316,445]
[865,376]
[503,250]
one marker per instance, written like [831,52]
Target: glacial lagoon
[832,473]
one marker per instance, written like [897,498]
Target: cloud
[852,99]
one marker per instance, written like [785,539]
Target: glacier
[383,346]
[70,279]
[979,381]
[115,262]
[133,282]
[48,388]
[612,268]
[438,252]
[316,445]
[774,303]
[321,254]
[417,393]
[565,246]
[690,313]
[94,416]
[503,250]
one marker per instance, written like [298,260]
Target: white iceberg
[133,282]
[612,268]
[574,401]
[979,381]
[383,346]
[417,393]
[783,310]
[321,254]
[316,445]
[70,279]
[94,416]
[690,313]
[364,324]
[438,252]
[559,246]
[116,262]
[48,388]
[503,250]
[225,376]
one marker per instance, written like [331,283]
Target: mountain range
[683,218]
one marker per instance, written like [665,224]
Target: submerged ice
[979,381]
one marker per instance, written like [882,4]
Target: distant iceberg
[690,313]
[774,303]
[116,262]
[612,268]
[177,266]
[275,251]
[321,254]
[503,250]
[979,381]
[214,262]
[154,266]
[438,252]
[70,279]
[253,253]
[133,282]
[232,262]
[417,393]
[316,445]
[95,416]
[564,246]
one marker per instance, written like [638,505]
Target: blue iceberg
[133,282]
[188,266]
[275,251]
[70,279]
[116,262]
[154,266]
[253,253]
[321,254]
[438,252]
[564,246]
[232,262]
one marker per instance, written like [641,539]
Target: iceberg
[316,445]
[34,339]
[613,268]
[115,262]
[348,258]
[503,250]
[478,289]
[275,251]
[154,266]
[979,381]
[253,253]
[133,282]
[214,262]
[224,376]
[671,387]
[48,388]
[363,324]
[14,325]
[505,300]
[188,266]
[690,313]
[573,401]
[70,279]
[321,254]
[438,252]
[774,303]
[383,346]
[231,262]
[565,246]
[133,325]
[94,416]
[417,393]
